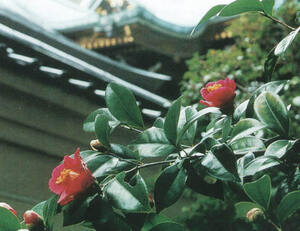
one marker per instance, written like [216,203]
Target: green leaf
[242,208]
[259,164]
[168,226]
[171,121]
[103,217]
[270,109]
[153,143]
[268,6]
[102,129]
[216,169]
[8,221]
[226,157]
[122,104]
[50,209]
[38,208]
[243,162]
[102,165]
[247,144]
[226,129]
[279,148]
[75,211]
[89,123]
[269,65]
[197,181]
[169,186]
[159,123]
[195,118]
[124,152]
[185,115]
[274,86]
[246,127]
[240,111]
[288,205]
[259,191]
[128,198]
[211,13]
[241,6]
[285,43]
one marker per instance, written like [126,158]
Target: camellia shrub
[222,151]
[253,38]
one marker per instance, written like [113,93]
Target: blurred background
[57,56]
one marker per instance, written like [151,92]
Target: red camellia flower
[219,94]
[70,178]
[7,206]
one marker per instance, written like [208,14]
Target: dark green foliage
[254,37]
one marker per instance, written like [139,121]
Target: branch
[130,128]
[277,21]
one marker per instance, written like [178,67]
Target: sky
[183,12]
[180,12]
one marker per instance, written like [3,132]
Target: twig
[130,128]
[150,165]
[277,21]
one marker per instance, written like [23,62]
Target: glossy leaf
[89,122]
[211,13]
[122,105]
[153,143]
[8,221]
[279,148]
[168,226]
[124,152]
[241,6]
[226,157]
[102,165]
[185,115]
[259,191]
[126,197]
[75,211]
[288,205]
[198,183]
[216,169]
[226,129]
[50,209]
[274,86]
[171,121]
[270,65]
[242,208]
[246,127]
[270,109]
[286,42]
[195,118]
[159,123]
[259,164]
[103,217]
[102,129]
[268,6]
[38,208]
[243,162]
[169,186]
[247,144]
[240,111]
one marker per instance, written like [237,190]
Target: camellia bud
[151,200]
[7,206]
[95,145]
[255,214]
[33,220]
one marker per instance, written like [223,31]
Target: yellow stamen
[214,87]
[66,174]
